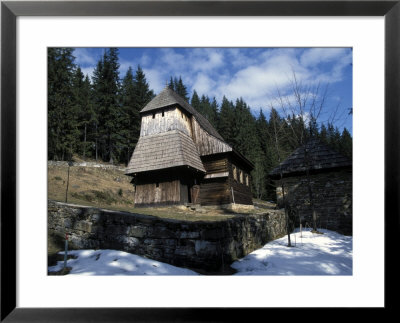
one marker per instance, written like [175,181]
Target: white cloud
[274,69]
[257,83]
[145,60]
[88,71]
[84,57]
[203,84]
[123,68]
[170,60]
[155,78]
[206,59]
[315,56]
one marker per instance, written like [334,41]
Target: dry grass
[90,186]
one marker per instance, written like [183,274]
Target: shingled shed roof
[320,157]
[168,97]
[160,151]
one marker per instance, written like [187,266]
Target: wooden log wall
[173,119]
[207,144]
[214,191]
[214,164]
[241,190]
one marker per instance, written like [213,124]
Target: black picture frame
[10,10]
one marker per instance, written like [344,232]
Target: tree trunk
[84,144]
[310,195]
[286,211]
[96,145]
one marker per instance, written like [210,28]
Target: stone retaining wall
[84,164]
[194,244]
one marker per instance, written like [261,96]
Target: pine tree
[110,116]
[98,101]
[214,113]
[195,101]
[141,96]
[177,85]
[346,144]
[226,121]
[83,110]
[209,110]
[268,158]
[62,124]
[171,84]
[131,122]
[323,134]
[181,89]
[262,131]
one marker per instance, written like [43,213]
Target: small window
[157,184]
[247,180]
[162,113]
[241,177]
[154,115]
[182,114]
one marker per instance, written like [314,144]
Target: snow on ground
[113,262]
[329,253]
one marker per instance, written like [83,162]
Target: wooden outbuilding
[180,158]
[328,174]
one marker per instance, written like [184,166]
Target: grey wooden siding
[241,191]
[173,119]
[166,193]
[207,144]
[162,151]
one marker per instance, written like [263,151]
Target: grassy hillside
[93,186]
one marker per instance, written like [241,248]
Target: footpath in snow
[329,253]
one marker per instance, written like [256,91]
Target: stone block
[188,235]
[138,231]
[205,248]
[161,233]
[128,242]
[84,226]
[211,234]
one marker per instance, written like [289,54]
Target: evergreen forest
[99,119]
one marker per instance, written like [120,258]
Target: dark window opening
[162,113]
[154,115]
[157,184]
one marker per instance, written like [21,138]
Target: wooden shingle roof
[165,150]
[168,97]
[315,155]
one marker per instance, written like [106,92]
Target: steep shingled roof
[319,155]
[168,97]
[165,150]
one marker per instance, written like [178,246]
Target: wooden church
[180,158]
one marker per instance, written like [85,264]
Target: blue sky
[255,74]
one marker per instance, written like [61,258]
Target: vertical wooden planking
[207,144]
[172,120]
